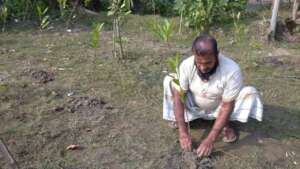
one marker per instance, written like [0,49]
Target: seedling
[119,9]
[43,17]
[3,16]
[96,36]
[163,30]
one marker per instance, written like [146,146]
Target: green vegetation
[202,14]
[3,16]
[162,30]
[96,36]
[43,17]
[118,9]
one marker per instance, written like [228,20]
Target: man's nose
[204,68]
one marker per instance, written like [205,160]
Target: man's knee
[247,90]
[167,81]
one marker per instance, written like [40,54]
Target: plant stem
[114,38]
[180,24]
[120,39]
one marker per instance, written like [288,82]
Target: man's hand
[185,142]
[205,148]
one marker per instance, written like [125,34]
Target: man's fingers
[207,152]
[189,147]
[200,152]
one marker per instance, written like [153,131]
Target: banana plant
[96,36]
[163,30]
[173,64]
[43,17]
[3,16]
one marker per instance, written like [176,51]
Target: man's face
[205,63]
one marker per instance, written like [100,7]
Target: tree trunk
[271,34]
[295,9]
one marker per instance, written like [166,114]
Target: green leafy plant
[96,36]
[3,16]
[62,8]
[43,17]
[118,10]
[20,9]
[162,30]
[173,64]
[202,14]
[240,29]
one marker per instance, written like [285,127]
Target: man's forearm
[222,120]
[179,113]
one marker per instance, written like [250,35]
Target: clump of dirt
[285,31]
[273,61]
[83,104]
[40,76]
[188,160]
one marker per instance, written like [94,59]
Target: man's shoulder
[227,64]
[187,62]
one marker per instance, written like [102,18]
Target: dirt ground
[55,92]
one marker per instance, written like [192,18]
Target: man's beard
[205,76]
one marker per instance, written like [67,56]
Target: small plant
[3,16]
[255,44]
[96,36]
[173,64]
[119,9]
[43,17]
[124,41]
[163,30]
[62,8]
[239,28]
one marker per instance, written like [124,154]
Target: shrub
[202,14]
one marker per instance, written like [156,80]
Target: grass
[132,134]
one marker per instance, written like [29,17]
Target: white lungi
[247,104]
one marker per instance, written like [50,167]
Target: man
[213,89]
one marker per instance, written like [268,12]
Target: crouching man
[213,88]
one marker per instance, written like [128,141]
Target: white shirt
[224,85]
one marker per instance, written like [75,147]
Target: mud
[40,76]
[273,61]
[83,104]
[176,159]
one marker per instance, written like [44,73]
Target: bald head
[205,45]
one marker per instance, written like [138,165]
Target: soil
[40,76]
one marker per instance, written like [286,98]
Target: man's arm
[184,137]
[222,119]
[206,146]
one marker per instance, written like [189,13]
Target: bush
[202,14]
[163,7]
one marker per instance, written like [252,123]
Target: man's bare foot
[229,134]
[173,124]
